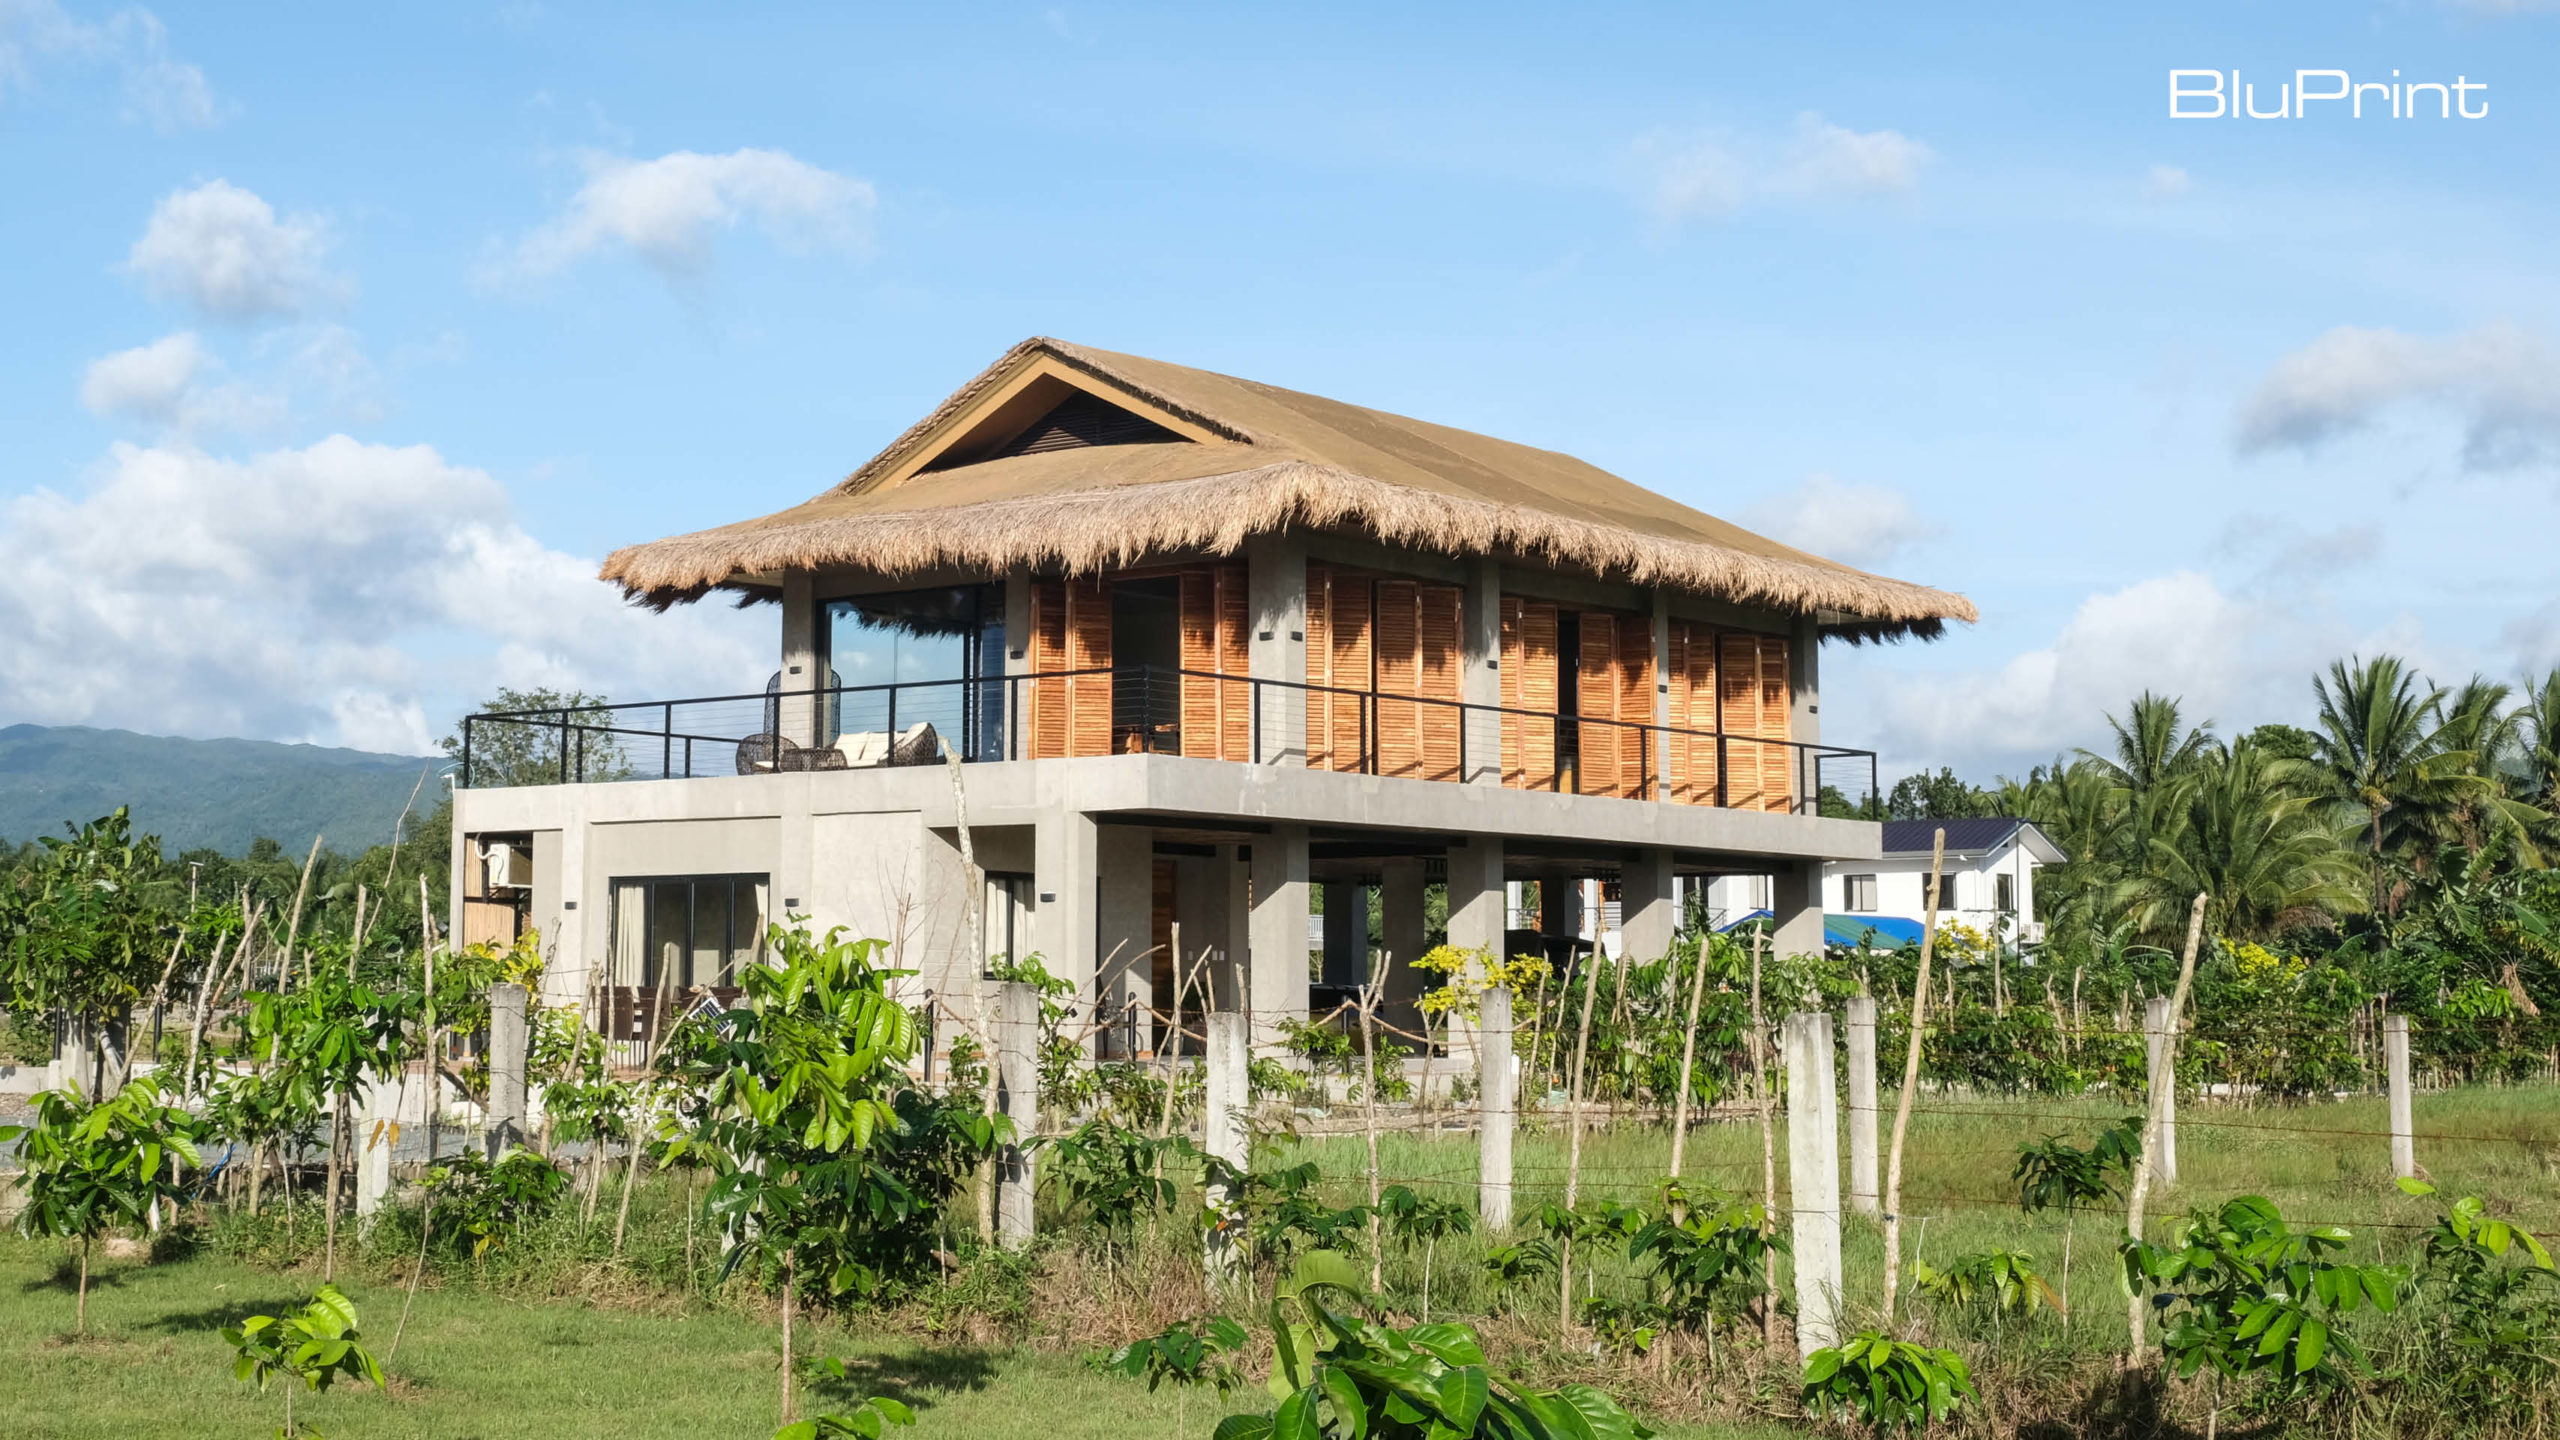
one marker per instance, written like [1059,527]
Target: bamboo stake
[1369,1123]
[1910,1081]
[1688,1056]
[1768,1153]
[2164,1075]
[293,932]
[1172,1048]
[432,1076]
[1573,1149]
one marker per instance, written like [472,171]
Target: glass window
[918,640]
[1946,892]
[1008,918]
[1862,894]
[686,930]
[2004,893]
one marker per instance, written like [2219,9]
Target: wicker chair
[763,753]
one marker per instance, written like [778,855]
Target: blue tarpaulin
[1889,930]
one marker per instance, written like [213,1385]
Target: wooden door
[1070,631]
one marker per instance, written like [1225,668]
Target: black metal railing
[981,718]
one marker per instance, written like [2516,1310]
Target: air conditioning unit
[507,866]
[2031,932]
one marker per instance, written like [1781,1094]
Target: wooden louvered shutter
[1705,759]
[1436,678]
[1350,673]
[1048,725]
[1777,705]
[1089,649]
[1319,667]
[1399,671]
[1596,686]
[1511,669]
[1530,683]
[1739,699]
[1639,751]
[1235,657]
[1200,729]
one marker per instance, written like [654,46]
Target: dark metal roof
[1912,837]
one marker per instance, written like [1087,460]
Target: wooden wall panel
[1350,668]
[1217,721]
[1235,657]
[1319,666]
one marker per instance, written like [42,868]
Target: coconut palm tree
[2249,833]
[2382,757]
[2537,737]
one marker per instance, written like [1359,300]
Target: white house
[1988,882]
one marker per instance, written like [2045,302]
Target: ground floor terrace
[1271,890]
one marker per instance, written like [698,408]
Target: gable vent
[1085,419]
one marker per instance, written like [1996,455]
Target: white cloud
[1717,175]
[1861,525]
[164,92]
[2166,182]
[668,210]
[341,592]
[222,250]
[173,384]
[2503,385]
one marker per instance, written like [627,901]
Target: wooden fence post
[1018,1095]
[1813,1179]
[2395,1059]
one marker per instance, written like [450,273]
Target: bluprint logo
[2217,94]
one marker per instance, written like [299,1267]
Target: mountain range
[193,794]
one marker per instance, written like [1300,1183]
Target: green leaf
[2412,1186]
[1243,1427]
[1296,1417]
[2311,1346]
[1348,1408]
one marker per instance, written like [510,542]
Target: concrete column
[1402,931]
[1559,905]
[2395,1060]
[1863,1188]
[1276,647]
[1066,862]
[1497,1089]
[2155,1035]
[1124,858]
[1229,977]
[1228,1104]
[1018,1097]
[803,669]
[1480,671]
[1346,932]
[1813,1180]
[1017,661]
[505,1120]
[1647,913]
[579,936]
[1795,908]
[1476,911]
[1276,963]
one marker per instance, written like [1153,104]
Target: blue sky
[342,344]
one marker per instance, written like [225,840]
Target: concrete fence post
[1813,1179]
[504,1125]
[377,1130]
[1229,1102]
[2155,1035]
[1863,1187]
[2395,1060]
[1495,1084]
[1018,1097]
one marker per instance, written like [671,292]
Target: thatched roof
[1237,458]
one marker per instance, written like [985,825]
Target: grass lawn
[477,1367]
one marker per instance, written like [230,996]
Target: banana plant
[88,1165]
[313,1346]
[1340,1375]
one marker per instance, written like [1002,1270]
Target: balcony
[1152,710]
